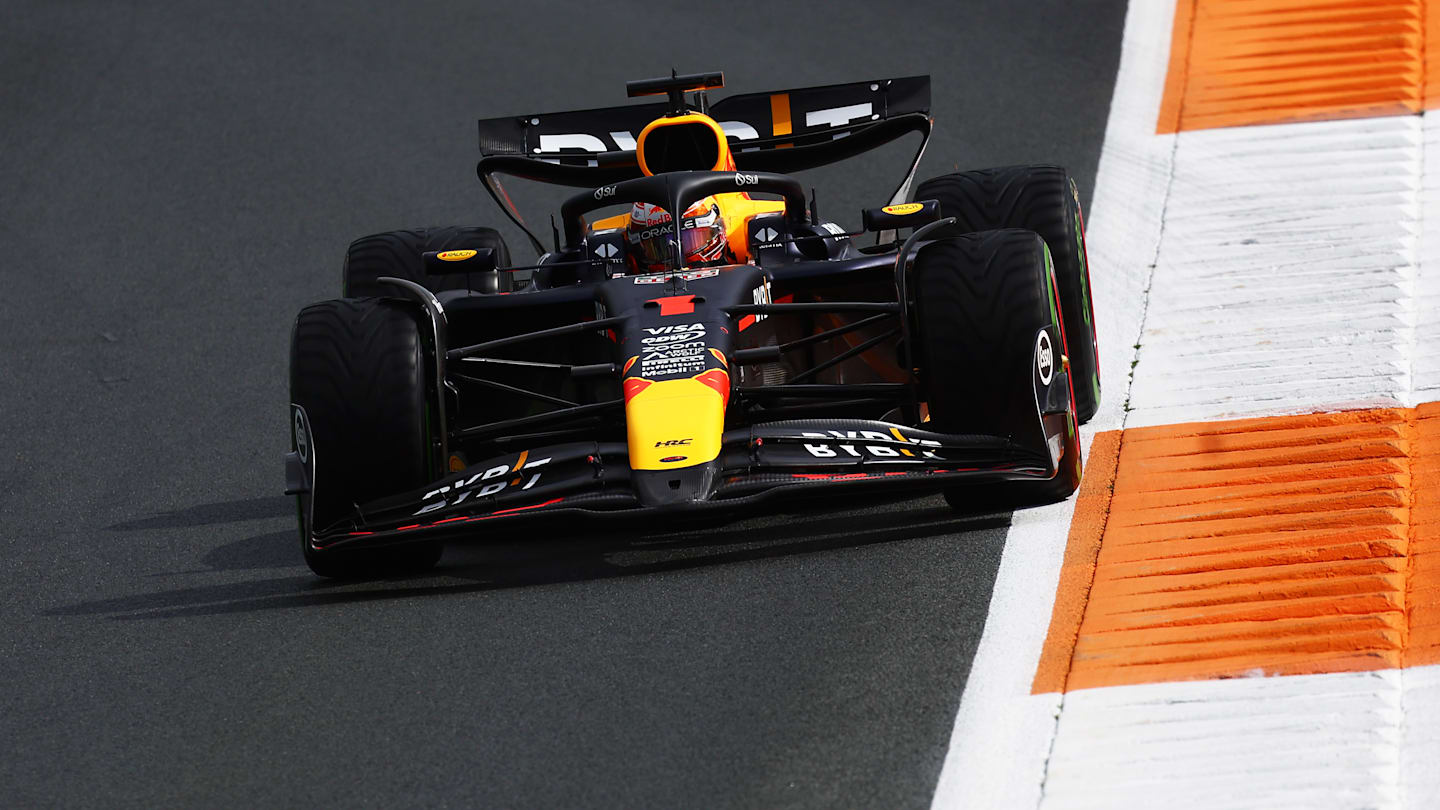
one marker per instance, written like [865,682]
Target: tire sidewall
[359,370]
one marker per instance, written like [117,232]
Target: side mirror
[445,262]
[904,215]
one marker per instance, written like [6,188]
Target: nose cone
[674,487]
[675,431]
[674,424]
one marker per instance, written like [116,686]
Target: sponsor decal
[672,459]
[739,130]
[604,192]
[607,251]
[836,229]
[1044,357]
[868,443]
[569,140]
[688,275]
[670,334]
[743,179]
[302,437]
[454,255]
[636,237]
[486,484]
[673,350]
[780,114]
[767,237]
[760,295]
[840,116]
[624,141]
[673,443]
[647,214]
[903,209]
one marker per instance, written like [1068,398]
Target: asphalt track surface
[177,180]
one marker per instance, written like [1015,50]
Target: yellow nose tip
[679,420]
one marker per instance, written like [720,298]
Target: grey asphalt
[178,179]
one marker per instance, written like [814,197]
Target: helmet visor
[702,244]
[702,239]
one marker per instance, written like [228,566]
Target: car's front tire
[1043,199]
[981,302]
[358,369]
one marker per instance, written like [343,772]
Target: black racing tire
[1042,199]
[981,299]
[358,368]
[400,254]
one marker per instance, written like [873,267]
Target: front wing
[757,463]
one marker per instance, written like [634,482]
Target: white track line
[1002,736]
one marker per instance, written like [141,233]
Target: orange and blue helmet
[702,236]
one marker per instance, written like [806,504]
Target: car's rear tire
[1042,199]
[357,367]
[981,300]
[400,254]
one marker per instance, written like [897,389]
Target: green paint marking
[1050,286]
[1084,269]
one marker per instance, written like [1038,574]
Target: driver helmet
[702,235]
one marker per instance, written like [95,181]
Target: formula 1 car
[714,347]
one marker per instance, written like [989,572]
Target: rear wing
[754,122]
[783,131]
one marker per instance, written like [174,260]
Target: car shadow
[516,558]
[210,514]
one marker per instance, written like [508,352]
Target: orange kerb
[1284,545]
[1092,506]
[1239,62]
[1432,57]
[1422,596]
